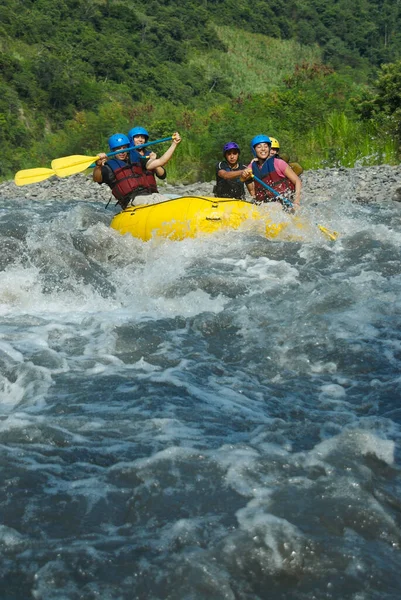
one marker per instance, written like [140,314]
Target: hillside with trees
[308,72]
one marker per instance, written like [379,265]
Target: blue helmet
[259,139]
[117,140]
[138,131]
[230,146]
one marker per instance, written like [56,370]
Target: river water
[214,418]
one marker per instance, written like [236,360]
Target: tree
[383,105]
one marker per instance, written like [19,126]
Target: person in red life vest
[275,172]
[129,174]
[139,135]
[228,172]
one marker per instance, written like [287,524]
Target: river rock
[361,184]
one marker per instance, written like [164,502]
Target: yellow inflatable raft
[190,216]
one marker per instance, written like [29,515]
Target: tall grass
[342,141]
[253,63]
[186,163]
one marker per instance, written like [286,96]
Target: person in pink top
[275,151]
[274,172]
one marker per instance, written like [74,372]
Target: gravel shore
[362,184]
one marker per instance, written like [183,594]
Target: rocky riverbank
[363,184]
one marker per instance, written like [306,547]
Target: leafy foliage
[383,105]
[75,71]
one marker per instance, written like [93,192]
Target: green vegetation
[245,65]
[382,106]
[341,141]
[74,72]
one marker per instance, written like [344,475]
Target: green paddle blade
[69,165]
[28,176]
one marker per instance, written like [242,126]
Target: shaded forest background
[322,76]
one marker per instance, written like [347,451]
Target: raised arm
[153,164]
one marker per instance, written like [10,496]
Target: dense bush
[382,105]
[75,71]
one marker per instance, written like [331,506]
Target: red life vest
[269,175]
[131,179]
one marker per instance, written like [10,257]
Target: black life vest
[269,175]
[228,188]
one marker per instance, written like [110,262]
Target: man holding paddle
[129,174]
[138,136]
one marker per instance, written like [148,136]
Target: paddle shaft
[28,176]
[135,148]
[273,191]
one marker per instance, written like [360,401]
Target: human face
[123,154]
[139,139]
[262,150]
[232,157]
[274,151]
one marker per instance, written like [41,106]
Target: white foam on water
[9,353]
[323,367]
[270,273]
[359,443]
[22,293]
[143,365]
[332,391]
[18,286]
[168,429]
[171,453]
[11,538]
[26,383]
[153,286]
[170,403]
[191,304]
[239,464]
[15,421]
[280,537]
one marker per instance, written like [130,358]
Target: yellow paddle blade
[332,235]
[69,165]
[28,176]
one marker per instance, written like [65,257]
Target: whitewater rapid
[214,418]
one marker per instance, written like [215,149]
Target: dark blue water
[215,418]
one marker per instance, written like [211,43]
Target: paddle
[27,176]
[69,165]
[332,235]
